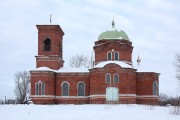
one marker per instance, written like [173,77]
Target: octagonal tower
[113,45]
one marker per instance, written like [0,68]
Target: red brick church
[112,78]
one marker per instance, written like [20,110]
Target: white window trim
[106,77]
[115,55]
[37,90]
[107,55]
[65,82]
[114,77]
[44,88]
[62,87]
[84,88]
[155,84]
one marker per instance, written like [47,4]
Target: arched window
[109,56]
[116,78]
[42,88]
[47,44]
[116,55]
[65,89]
[155,88]
[108,77]
[81,89]
[37,88]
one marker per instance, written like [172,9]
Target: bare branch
[177,65]
[22,81]
[79,61]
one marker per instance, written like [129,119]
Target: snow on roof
[43,69]
[99,65]
[48,24]
[120,63]
[64,70]
[144,69]
[73,70]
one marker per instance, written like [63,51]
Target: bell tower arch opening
[47,44]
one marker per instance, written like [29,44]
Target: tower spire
[92,60]
[50,17]
[138,60]
[113,23]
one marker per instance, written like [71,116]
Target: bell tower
[50,52]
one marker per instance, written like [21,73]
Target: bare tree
[177,64]
[79,61]
[22,85]
[163,99]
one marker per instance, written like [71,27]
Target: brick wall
[73,79]
[145,82]
[102,47]
[130,83]
[43,76]
[127,80]
[53,62]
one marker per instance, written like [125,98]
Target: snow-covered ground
[85,112]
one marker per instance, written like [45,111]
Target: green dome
[113,34]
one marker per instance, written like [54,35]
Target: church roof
[120,63]
[113,34]
[63,70]
[84,70]
[73,70]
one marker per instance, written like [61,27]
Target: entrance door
[112,94]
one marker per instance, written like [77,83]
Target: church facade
[111,79]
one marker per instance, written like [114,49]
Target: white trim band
[98,95]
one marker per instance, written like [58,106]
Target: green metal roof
[113,34]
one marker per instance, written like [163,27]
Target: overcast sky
[153,26]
